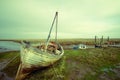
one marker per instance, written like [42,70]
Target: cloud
[76,17]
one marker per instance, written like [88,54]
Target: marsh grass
[7,55]
[91,64]
[12,67]
[87,64]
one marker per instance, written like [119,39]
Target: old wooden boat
[35,57]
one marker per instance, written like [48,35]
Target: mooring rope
[56,73]
[9,62]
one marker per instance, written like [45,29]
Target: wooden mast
[48,39]
[20,75]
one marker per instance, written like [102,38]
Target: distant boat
[35,57]
[79,46]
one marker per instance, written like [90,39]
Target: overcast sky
[77,18]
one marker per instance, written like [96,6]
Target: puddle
[3,76]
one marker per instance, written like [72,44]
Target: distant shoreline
[87,41]
[58,39]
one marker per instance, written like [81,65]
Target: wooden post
[101,42]
[95,41]
[108,41]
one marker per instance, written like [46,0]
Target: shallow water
[72,46]
[9,46]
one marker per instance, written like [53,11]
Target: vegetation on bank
[87,41]
[87,64]
[93,64]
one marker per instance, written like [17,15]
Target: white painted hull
[33,58]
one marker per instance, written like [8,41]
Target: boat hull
[33,59]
